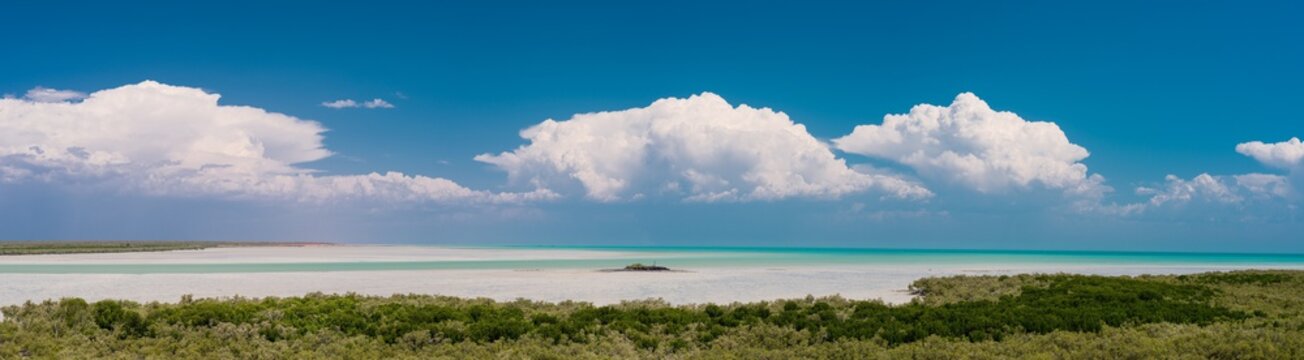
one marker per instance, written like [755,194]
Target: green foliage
[1242,278]
[945,290]
[644,267]
[70,247]
[112,315]
[1217,315]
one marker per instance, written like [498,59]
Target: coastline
[332,253]
[554,281]
[71,247]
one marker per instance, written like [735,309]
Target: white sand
[711,284]
[312,253]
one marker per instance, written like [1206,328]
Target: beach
[506,274]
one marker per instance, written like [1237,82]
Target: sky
[1157,126]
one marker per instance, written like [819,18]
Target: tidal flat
[704,275]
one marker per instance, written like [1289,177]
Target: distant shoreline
[887,250]
[49,247]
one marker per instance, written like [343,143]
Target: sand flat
[720,284]
[693,286]
[310,254]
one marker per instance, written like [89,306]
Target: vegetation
[1216,315]
[642,267]
[78,247]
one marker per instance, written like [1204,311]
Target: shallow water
[690,257]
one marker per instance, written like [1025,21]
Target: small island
[641,267]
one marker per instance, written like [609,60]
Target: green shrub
[1015,316]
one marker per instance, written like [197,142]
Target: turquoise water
[697,257]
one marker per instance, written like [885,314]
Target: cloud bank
[970,145]
[164,140]
[171,140]
[1254,194]
[697,149]
[1219,198]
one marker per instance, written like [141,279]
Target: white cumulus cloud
[1284,155]
[1245,197]
[969,144]
[698,149]
[1203,187]
[172,140]
[1255,194]
[42,94]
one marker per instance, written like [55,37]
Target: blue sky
[1149,90]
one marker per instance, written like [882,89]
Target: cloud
[47,95]
[340,104]
[969,144]
[390,187]
[697,149]
[1231,195]
[376,103]
[1252,196]
[1203,187]
[178,141]
[1261,186]
[1245,197]
[1283,155]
